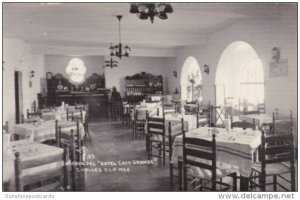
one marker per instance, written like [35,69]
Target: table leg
[244,184]
[180,175]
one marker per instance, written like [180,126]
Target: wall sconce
[30,78]
[31,74]
[206,69]
[175,74]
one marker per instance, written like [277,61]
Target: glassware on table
[227,123]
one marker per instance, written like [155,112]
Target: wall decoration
[206,69]
[76,71]
[278,66]
[175,74]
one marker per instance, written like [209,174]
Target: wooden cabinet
[92,92]
[140,85]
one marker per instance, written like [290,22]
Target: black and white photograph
[150,97]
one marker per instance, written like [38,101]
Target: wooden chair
[246,112]
[33,114]
[282,126]
[191,107]
[168,108]
[72,141]
[63,137]
[173,166]
[27,178]
[261,108]
[277,158]
[139,123]
[195,151]
[5,127]
[242,124]
[156,137]
[204,115]
[220,114]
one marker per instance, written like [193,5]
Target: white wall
[132,65]
[262,35]
[17,57]
[58,64]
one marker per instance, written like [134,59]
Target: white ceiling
[89,28]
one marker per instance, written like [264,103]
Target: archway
[191,80]
[239,77]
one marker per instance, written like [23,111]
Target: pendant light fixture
[118,50]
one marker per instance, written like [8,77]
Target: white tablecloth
[234,149]
[45,130]
[62,115]
[258,118]
[49,157]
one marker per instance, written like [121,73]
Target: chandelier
[150,10]
[119,50]
[111,63]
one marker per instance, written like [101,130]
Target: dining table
[61,115]
[45,130]
[235,148]
[43,157]
[281,123]
[189,123]
[152,108]
[259,119]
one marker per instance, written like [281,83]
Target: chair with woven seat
[156,138]
[169,143]
[139,123]
[277,155]
[199,163]
[64,137]
[73,142]
[30,177]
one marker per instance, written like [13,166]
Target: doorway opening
[240,77]
[191,81]
[18,96]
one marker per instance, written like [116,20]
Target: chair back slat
[26,175]
[243,124]
[193,155]
[261,107]
[276,138]
[199,142]
[278,149]
[278,160]
[199,154]
[156,126]
[199,164]
[156,119]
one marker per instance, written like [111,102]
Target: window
[252,84]
[191,80]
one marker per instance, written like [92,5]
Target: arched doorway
[239,77]
[191,80]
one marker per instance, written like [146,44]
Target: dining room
[149,97]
